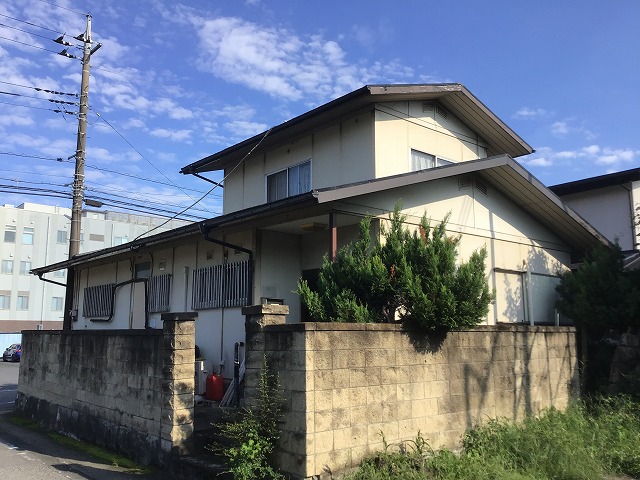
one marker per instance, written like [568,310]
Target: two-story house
[298,191]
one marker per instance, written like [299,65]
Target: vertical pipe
[333,227]
[186,288]
[529,298]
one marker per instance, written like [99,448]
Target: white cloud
[615,157]
[245,129]
[174,135]
[282,64]
[560,128]
[540,162]
[591,150]
[529,113]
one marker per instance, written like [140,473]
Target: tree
[600,294]
[411,275]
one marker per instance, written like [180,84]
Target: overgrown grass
[588,440]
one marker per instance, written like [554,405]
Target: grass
[100,454]
[589,440]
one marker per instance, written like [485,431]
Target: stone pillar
[178,370]
[258,317]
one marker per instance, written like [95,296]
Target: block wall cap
[179,316]
[266,309]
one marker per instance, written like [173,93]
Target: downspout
[205,232]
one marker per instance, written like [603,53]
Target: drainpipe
[205,232]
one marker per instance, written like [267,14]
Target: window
[27,236]
[120,240]
[56,304]
[423,161]
[159,293]
[10,234]
[142,270]
[98,300]
[7,266]
[289,182]
[62,236]
[60,273]
[94,237]
[25,267]
[5,300]
[218,286]
[23,301]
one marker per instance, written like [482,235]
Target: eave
[454,97]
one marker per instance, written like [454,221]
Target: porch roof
[453,96]
[502,172]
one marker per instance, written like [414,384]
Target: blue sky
[177,81]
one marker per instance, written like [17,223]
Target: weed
[590,439]
[256,433]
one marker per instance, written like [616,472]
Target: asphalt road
[27,453]
[8,385]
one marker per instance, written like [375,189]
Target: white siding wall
[610,211]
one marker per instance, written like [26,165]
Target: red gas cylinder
[215,387]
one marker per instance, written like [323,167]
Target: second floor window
[289,182]
[23,301]
[25,267]
[10,234]
[424,161]
[7,266]
[62,236]
[56,304]
[5,300]
[27,236]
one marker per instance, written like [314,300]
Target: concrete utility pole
[78,178]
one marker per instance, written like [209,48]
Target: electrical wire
[63,102]
[141,155]
[63,8]
[26,31]
[40,108]
[216,185]
[38,89]
[34,46]
[32,24]
[106,170]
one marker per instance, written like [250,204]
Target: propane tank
[214,387]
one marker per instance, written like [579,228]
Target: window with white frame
[23,301]
[62,236]
[27,236]
[289,182]
[423,161]
[7,266]
[120,240]
[10,234]
[25,267]
[60,273]
[56,304]
[5,299]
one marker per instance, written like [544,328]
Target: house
[298,191]
[36,235]
[608,202]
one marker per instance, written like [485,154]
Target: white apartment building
[36,235]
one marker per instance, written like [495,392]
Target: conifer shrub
[412,276]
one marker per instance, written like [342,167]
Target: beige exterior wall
[340,153]
[403,126]
[345,384]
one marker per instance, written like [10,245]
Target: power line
[216,185]
[139,153]
[63,8]
[63,102]
[26,31]
[56,110]
[38,89]
[34,46]
[29,23]
[106,170]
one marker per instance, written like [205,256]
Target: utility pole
[78,178]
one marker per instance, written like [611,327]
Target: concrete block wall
[128,390]
[346,385]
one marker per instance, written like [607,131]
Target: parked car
[12,353]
